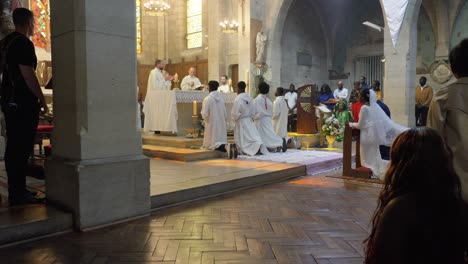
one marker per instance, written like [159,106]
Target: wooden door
[234,75]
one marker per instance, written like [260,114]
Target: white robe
[185,86]
[245,133]
[224,88]
[280,117]
[214,113]
[263,121]
[156,82]
[370,152]
[376,129]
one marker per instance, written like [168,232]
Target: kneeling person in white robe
[280,114]
[214,113]
[246,136]
[263,120]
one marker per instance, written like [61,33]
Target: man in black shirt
[21,100]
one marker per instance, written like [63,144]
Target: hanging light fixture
[229,25]
[156,7]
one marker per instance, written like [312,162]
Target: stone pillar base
[102,191]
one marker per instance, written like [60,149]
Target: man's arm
[33,84]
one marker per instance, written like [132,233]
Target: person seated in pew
[326,97]
[263,121]
[280,114]
[214,113]
[246,136]
[343,115]
[355,102]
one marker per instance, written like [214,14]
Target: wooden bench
[348,170]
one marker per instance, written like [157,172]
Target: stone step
[225,183]
[31,222]
[180,154]
[172,141]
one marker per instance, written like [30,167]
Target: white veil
[384,130]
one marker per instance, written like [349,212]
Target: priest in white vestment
[191,82]
[280,114]
[224,86]
[263,120]
[156,82]
[214,113]
[246,136]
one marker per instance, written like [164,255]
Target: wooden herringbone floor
[310,220]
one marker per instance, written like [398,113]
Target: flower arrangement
[331,127]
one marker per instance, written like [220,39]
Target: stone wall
[304,57]
[165,37]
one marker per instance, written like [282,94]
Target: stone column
[443,31]
[246,72]
[400,68]
[215,59]
[97,170]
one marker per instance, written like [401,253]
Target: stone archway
[280,10]
[304,46]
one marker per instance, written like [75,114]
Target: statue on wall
[260,45]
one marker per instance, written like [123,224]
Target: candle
[230,82]
[246,79]
[176,77]
[195,108]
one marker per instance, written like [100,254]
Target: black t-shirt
[20,52]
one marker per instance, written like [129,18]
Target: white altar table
[171,111]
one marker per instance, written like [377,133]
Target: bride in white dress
[376,129]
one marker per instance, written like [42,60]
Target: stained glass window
[138,25]
[41,36]
[194,24]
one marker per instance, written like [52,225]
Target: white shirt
[291,98]
[422,87]
[185,83]
[343,94]
[224,88]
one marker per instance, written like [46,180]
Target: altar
[171,111]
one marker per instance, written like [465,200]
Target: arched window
[194,24]
[138,26]
[41,37]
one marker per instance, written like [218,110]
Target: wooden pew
[348,170]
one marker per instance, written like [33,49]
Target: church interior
[121,163]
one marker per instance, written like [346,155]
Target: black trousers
[292,123]
[21,126]
[421,115]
